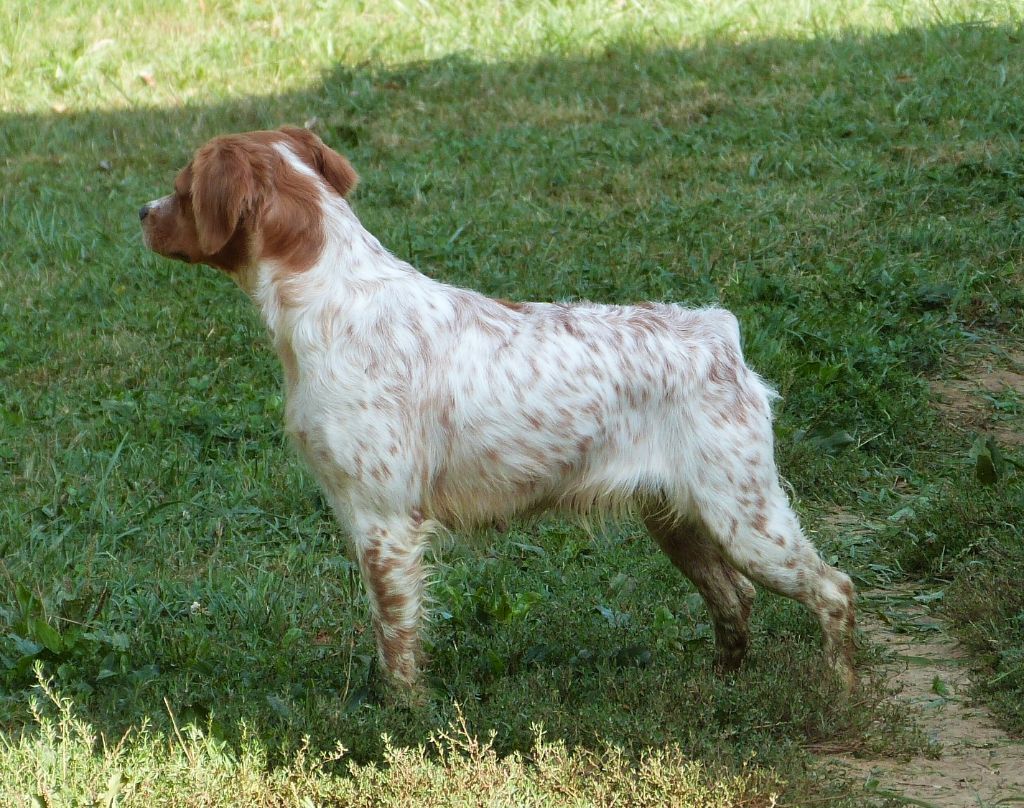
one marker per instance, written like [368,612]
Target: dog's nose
[143,212]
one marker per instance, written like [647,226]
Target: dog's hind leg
[759,534]
[727,594]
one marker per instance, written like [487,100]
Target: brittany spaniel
[418,404]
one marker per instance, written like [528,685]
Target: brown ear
[230,178]
[328,163]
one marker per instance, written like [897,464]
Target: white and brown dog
[416,403]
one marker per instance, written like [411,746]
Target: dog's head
[247,198]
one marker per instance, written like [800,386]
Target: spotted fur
[416,403]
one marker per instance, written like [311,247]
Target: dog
[418,405]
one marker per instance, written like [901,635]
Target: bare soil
[970,402]
[977,763]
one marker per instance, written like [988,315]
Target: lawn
[181,624]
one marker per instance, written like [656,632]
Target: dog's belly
[506,465]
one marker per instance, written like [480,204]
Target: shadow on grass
[854,199]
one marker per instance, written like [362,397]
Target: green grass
[846,178]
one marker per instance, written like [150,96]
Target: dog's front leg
[390,552]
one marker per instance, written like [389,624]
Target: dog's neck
[305,310]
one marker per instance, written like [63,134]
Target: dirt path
[966,403]
[979,764]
